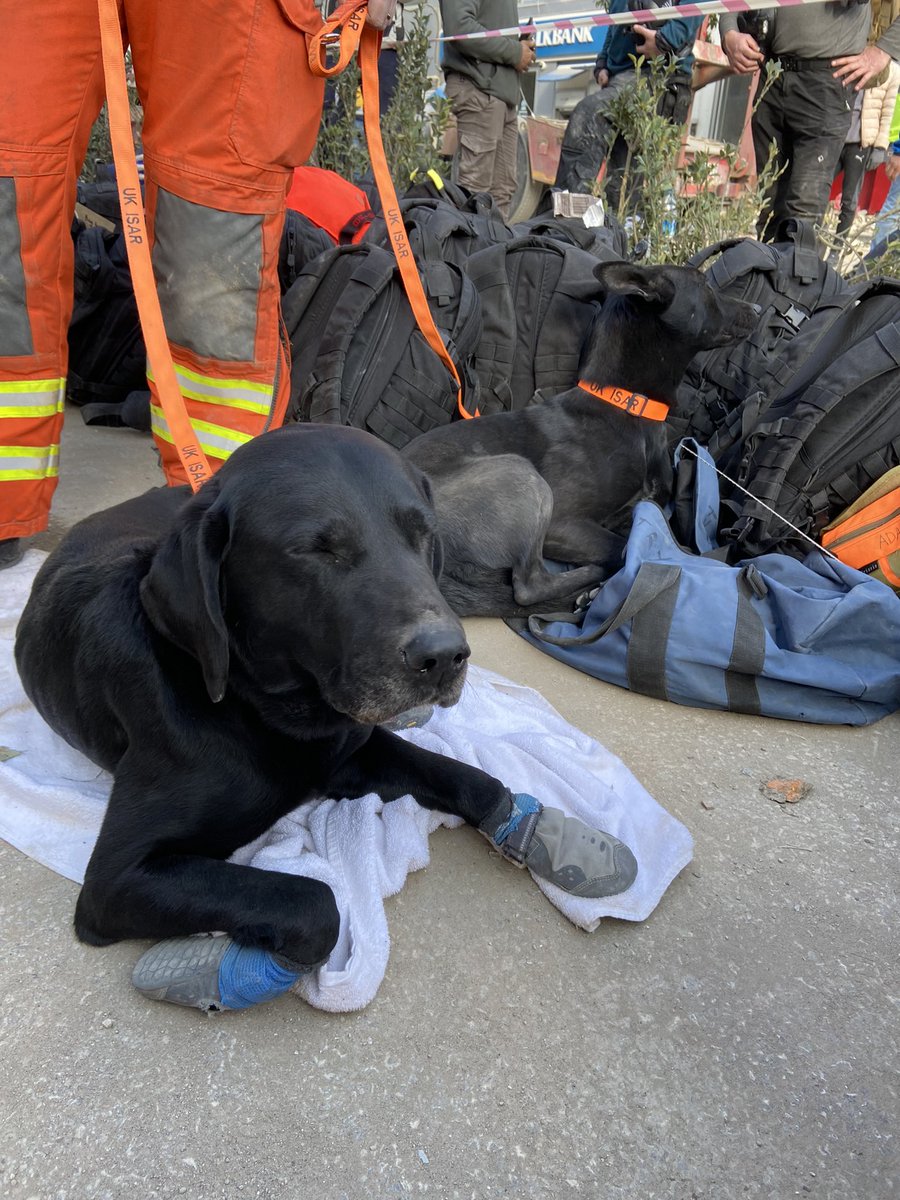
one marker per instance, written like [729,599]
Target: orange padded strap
[347,29]
[630,402]
[192,457]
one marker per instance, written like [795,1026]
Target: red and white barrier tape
[703,8]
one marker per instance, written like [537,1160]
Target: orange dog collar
[630,402]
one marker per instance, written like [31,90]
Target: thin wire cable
[761,503]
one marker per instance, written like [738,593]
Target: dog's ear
[649,284]
[181,593]
[437,552]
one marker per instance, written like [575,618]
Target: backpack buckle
[794,316]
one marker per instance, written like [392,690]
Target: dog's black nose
[435,651]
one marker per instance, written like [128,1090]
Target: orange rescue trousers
[230,107]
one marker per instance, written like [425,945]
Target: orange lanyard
[347,26]
[137,245]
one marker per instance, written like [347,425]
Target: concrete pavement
[742,1042]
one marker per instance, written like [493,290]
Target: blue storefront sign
[579,41]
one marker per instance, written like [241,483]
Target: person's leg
[767,127]
[480,124]
[817,111]
[503,184]
[52,86]
[230,108]
[588,137]
[889,217]
[853,159]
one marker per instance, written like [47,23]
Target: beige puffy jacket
[877,111]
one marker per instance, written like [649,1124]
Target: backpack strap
[325,385]
[697,260]
[806,262]
[776,443]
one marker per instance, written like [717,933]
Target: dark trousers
[853,163]
[589,135]
[591,138]
[806,113]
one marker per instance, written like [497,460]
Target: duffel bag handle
[652,581]
[650,605]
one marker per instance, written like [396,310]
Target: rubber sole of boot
[183,971]
[580,860]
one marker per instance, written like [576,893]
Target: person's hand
[646,41]
[892,166]
[380,13]
[527,56]
[602,77]
[855,70]
[742,52]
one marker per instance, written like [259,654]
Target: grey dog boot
[562,850]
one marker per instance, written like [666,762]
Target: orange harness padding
[632,403]
[347,30]
[867,536]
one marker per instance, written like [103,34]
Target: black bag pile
[107,362]
[513,305]
[804,415]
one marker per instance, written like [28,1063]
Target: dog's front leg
[158,869]
[558,848]
[392,767]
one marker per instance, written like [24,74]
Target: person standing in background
[589,136]
[867,142]
[824,57]
[482,80]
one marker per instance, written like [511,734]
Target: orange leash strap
[134,224]
[633,403]
[347,28]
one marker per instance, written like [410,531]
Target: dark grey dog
[559,480]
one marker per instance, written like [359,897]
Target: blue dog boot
[212,973]
[563,850]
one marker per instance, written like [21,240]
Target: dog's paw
[563,850]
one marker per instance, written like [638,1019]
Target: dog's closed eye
[334,543]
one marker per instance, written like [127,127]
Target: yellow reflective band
[215,440]
[28,462]
[31,385]
[31,398]
[245,394]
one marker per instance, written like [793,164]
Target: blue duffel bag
[770,636]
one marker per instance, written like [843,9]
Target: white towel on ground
[52,801]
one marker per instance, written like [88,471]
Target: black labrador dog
[231,654]
[559,480]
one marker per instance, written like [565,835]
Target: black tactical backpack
[806,453]
[358,357]
[539,297]
[798,296]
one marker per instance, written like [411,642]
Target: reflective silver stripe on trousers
[208,267]
[15,328]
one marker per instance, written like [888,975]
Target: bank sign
[578,41]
